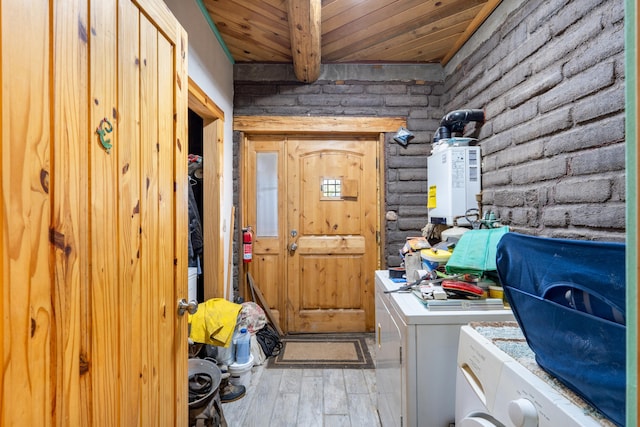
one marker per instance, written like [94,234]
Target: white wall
[212,71]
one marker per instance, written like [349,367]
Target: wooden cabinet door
[94,230]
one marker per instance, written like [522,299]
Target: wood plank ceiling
[345,31]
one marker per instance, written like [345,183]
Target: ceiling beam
[304,27]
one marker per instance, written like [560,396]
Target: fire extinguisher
[247,244]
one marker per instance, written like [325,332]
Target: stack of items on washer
[453,275]
[564,361]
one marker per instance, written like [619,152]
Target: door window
[267,194]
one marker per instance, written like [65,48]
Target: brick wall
[551,81]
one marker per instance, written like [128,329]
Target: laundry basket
[568,297]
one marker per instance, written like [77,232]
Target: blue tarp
[568,297]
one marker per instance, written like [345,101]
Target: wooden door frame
[212,152]
[305,126]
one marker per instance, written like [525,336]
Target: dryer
[495,390]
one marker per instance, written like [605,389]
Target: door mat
[323,351]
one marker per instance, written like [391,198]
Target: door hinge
[377,163]
[377,237]
[400,356]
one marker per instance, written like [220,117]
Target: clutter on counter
[461,266]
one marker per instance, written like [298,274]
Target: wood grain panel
[331,245]
[269,280]
[422,44]
[315,321]
[257,29]
[70,206]
[428,51]
[360,15]
[336,13]
[167,295]
[74,332]
[28,374]
[105,298]
[128,128]
[336,283]
[328,216]
[386,23]
[149,218]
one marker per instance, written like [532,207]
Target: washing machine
[495,390]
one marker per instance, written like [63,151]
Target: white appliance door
[479,422]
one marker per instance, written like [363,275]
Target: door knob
[191,306]
[293,247]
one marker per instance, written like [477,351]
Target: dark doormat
[323,351]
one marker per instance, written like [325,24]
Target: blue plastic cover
[568,297]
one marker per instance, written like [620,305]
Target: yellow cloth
[214,322]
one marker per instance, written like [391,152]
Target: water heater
[453,178]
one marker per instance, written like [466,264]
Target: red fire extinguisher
[247,244]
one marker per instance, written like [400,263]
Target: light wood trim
[304,30]
[202,104]
[213,238]
[212,176]
[182,216]
[310,125]
[488,8]
[382,236]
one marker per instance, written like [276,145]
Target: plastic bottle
[242,343]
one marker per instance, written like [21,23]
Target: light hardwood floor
[307,398]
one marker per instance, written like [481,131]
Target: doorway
[312,205]
[206,130]
[313,201]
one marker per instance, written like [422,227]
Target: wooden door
[332,219]
[94,242]
[324,282]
